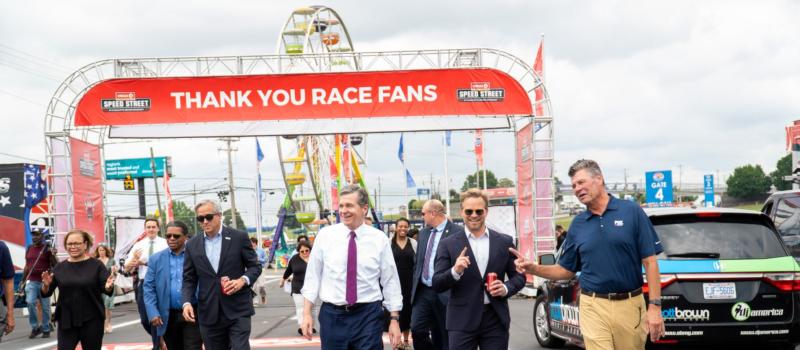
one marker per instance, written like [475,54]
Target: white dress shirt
[480,250]
[159,244]
[326,274]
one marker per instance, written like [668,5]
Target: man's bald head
[433,213]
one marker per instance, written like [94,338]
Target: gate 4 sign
[659,188]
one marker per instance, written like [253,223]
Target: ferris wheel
[315,30]
[305,160]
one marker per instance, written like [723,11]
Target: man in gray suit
[428,308]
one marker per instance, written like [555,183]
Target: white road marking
[54,343]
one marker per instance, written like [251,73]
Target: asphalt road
[273,327]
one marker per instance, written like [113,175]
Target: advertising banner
[659,188]
[117,169]
[708,190]
[431,92]
[525,191]
[87,188]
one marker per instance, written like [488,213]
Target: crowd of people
[444,287]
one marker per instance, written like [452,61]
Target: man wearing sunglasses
[428,307]
[477,314]
[220,265]
[162,293]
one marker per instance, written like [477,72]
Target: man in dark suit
[428,307]
[220,262]
[477,313]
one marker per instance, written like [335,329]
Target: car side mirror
[547,259]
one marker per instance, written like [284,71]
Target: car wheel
[541,325]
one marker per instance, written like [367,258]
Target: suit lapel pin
[228,238]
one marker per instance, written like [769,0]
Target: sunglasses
[207,217]
[305,251]
[172,235]
[478,212]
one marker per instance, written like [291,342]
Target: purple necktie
[352,262]
[426,264]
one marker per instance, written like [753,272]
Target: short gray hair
[363,199]
[214,204]
[435,205]
[585,164]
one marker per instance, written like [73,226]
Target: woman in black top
[80,279]
[404,250]
[297,267]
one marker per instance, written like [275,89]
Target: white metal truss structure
[59,120]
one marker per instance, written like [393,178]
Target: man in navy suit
[222,264]
[477,313]
[428,307]
[163,286]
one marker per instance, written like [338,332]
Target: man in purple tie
[348,266]
[428,307]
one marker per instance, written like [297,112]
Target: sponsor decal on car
[564,313]
[676,314]
[683,333]
[765,332]
[741,311]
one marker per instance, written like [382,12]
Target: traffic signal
[128,183]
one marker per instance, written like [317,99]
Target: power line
[21,157]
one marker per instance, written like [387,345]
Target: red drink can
[223,281]
[490,278]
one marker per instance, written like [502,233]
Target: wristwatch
[395,318]
[656,302]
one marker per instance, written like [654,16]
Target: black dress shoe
[46,335]
[35,332]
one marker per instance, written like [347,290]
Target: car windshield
[724,237]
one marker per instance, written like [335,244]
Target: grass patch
[565,221]
[752,206]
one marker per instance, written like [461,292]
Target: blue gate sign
[659,188]
[708,190]
[117,169]
[423,192]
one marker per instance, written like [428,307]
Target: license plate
[719,290]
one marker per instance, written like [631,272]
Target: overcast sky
[698,87]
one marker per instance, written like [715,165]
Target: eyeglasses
[172,235]
[478,212]
[75,244]
[305,251]
[207,217]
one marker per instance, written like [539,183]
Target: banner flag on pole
[259,158]
[35,192]
[538,68]
[168,193]
[447,137]
[410,180]
[479,147]
[400,150]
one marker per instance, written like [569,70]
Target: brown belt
[614,296]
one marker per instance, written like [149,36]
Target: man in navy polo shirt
[609,243]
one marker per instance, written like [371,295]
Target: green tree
[239,222]
[783,168]
[558,184]
[503,182]
[182,212]
[748,182]
[470,182]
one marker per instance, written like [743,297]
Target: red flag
[334,183]
[170,214]
[538,68]
[479,147]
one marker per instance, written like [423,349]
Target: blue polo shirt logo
[619,223]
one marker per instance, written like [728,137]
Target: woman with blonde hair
[80,280]
[105,254]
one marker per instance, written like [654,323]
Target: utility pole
[625,177]
[194,205]
[155,182]
[231,187]
[680,181]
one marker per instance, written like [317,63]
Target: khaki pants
[613,324]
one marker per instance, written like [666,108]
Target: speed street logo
[125,102]
[481,92]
